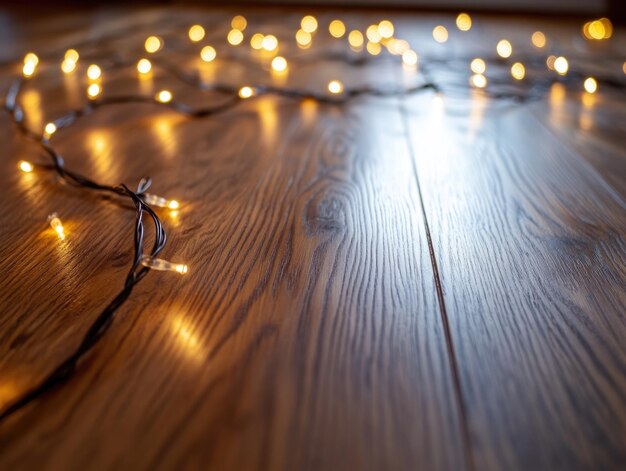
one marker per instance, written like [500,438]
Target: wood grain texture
[307,334]
[530,245]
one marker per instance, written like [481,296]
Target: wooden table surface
[397,284]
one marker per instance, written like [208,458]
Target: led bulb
[303,38]
[94,72]
[518,71]
[335,86]
[161,202]
[68,66]
[163,265]
[57,225]
[561,65]
[153,44]
[591,85]
[409,58]
[207,54]
[25,166]
[279,64]
[270,42]
[478,66]
[164,96]
[29,69]
[239,22]
[196,33]
[385,29]
[144,66]
[464,22]
[71,55]
[337,29]
[235,37]
[440,34]
[49,130]
[309,24]
[246,92]
[256,41]
[478,80]
[93,90]
[504,48]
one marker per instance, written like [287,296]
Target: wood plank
[307,334]
[530,246]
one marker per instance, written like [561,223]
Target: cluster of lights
[70,61]
[598,30]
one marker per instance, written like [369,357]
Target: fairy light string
[366,47]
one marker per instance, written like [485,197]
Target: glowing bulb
[270,42]
[440,34]
[93,90]
[49,129]
[71,55]
[624,67]
[373,48]
[463,22]
[385,29]
[478,80]
[57,225]
[163,265]
[478,66]
[256,41]
[504,48]
[373,34]
[591,85]
[335,86]
[31,57]
[25,167]
[161,202]
[246,92]
[596,30]
[538,39]
[68,66]
[279,64]
[239,22]
[164,96]
[550,62]
[561,65]
[29,68]
[409,58]
[94,72]
[309,24]
[153,44]
[355,38]
[235,37]
[196,33]
[397,47]
[518,71]
[337,29]
[144,66]
[207,54]
[303,38]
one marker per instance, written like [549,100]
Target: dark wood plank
[530,245]
[307,334]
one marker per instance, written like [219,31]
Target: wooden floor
[399,284]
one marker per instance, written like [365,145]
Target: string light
[440,34]
[538,39]
[279,64]
[161,202]
[372,33]
[164,96]
[309,24]
[144,66]
[207,54]
[57,225]
[235,37]
[409,58]
[518,71]
[504,48]
[246,92]
[337,29]
[93,90]
[478,66]
[163,265]
[94,72]
[335,87]
[270,42]
[591,85]
[196,33]
[478,80]
[239,22]
[463,22]
[355,38]
[561,65]
[25,166]
[385,29]
[153,44]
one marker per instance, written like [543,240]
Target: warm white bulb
[196,33]
[207,54]
[94,72]
[591,85]
[163,265]
[335,86]
[164,96]
[246,92]
[25,166]
[57,225]
[279,64]
[144,66]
